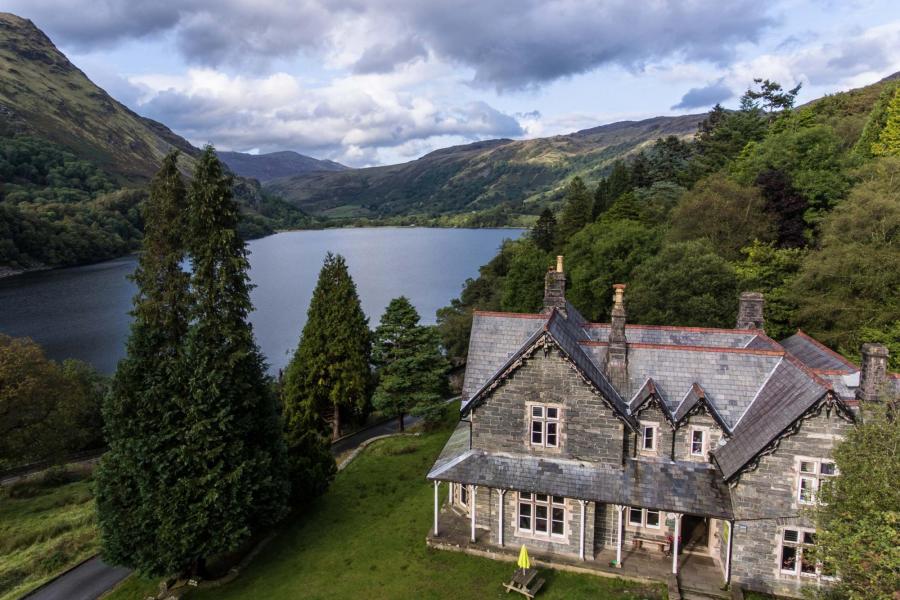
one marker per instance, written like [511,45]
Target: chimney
[555,287]
[750,312]
[617,359]
[873,372]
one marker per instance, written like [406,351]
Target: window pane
[648,438]
[809,538]
[652,518]
[828,469]
[791,535]
[540,518]
[697,443]
[540,525]
[551,434]
[524,522]
[558,524]
[634,516]
[552,413]
[789,558]
[807,489]
[537,411]
[541,511]
[807,467]
[540,497]
[807,567]
[525,495]
[558,500]
[537,432]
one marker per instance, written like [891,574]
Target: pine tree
[577,210]
[142,414]
[618,182]
[330,368]
[888,143]
[640,171]
[410,367]
[544,231]
[230,480]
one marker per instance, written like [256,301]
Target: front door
[695,533]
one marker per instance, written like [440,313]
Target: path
[91,579]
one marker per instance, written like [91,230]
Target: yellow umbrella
[524,561]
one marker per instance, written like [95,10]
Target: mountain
[265,167]
[44,95]
[476,177]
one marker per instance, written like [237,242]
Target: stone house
[585,441]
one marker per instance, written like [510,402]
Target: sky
[386,81]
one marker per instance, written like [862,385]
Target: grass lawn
[366,539]
[46,526]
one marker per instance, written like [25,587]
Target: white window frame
[645,425]
[801,545]
[704,442]
[540,414]
[643,512]
[534,502]
[462,495]
[811,479]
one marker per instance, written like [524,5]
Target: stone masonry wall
[588,429]
[765,502]
[683,437]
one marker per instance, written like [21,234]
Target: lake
[82,312]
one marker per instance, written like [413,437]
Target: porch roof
[679,487]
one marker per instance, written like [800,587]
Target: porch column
[472,510]
[437,506]
[728,553]
[581,541]
[502,493]
[675,543]
[450,497]
[620,509]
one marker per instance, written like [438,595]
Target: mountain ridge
[274,165]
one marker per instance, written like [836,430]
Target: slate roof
[693,488]
[676,336]
[816,355]
[787,394]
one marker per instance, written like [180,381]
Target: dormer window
[698,442]
[544,425]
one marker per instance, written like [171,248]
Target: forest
[799,203]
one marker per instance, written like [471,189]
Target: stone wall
[765,502]
[683,437]
[588,429]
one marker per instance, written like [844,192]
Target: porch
[697,573]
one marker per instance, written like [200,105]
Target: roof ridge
[679,328]
[515,315]
[802,366]
[822,346]
[755,351]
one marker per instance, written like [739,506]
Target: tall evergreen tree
[410,367]
[577,210]
[330,368]
[143,412]
[640,171]
[888,143]
[544,231]
[231,478]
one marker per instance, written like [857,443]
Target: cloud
[359,120]
[536,42]
[704,97]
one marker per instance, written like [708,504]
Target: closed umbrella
[524,561]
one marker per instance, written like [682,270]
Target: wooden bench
[639,542]
[525,582]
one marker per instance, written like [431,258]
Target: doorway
[695,533]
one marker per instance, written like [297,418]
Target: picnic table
[525,582]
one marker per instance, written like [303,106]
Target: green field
[46,526]
[366,539]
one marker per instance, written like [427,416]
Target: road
[91,579]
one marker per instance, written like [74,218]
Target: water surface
[82,312]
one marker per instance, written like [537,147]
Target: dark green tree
[685,283]
[523,286]
[640,170]
[857,533]
[231,476]
[411,371]
[577,210]
[770,97]
[330,368]
[619,180]
[544,231]
[144,412]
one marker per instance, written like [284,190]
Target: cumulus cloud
[505,47]
[351,120]
[706,96]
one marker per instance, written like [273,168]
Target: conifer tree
[888,143]
[142,413]
[330,368]
[410,367]
[544,231]
[230,480]
[577,210]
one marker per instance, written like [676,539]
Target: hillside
[44,95]
[477,176]
[265,167]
